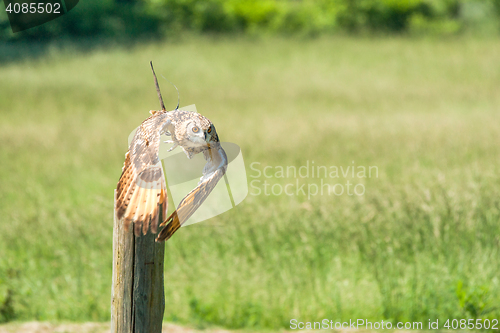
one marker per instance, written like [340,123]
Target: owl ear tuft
[178,95]
[158,88]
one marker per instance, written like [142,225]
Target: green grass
[422,243]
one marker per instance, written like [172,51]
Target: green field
[422,243]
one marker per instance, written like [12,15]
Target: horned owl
[142,189]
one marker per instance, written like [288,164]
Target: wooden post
[137,294]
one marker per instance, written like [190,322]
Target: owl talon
[173,147]
[188,153]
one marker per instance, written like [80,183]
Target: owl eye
[195,129]
[209,130]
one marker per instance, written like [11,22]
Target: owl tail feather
[172,226]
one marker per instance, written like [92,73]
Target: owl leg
[174,146]
[188,153]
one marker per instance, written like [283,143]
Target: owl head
[196,134]
[195,131]
[199,133]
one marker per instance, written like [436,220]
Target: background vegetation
[422,243]
[133,19]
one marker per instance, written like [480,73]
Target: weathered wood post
[137,294]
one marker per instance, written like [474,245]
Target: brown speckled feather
[142,189]
[214,170]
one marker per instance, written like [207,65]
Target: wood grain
[137,293]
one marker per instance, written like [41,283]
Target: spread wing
[212,172]
[141,188]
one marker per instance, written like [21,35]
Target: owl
[141,191]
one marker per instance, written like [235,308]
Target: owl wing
[213,171]
[141,188]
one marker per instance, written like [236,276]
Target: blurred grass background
[422,243]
